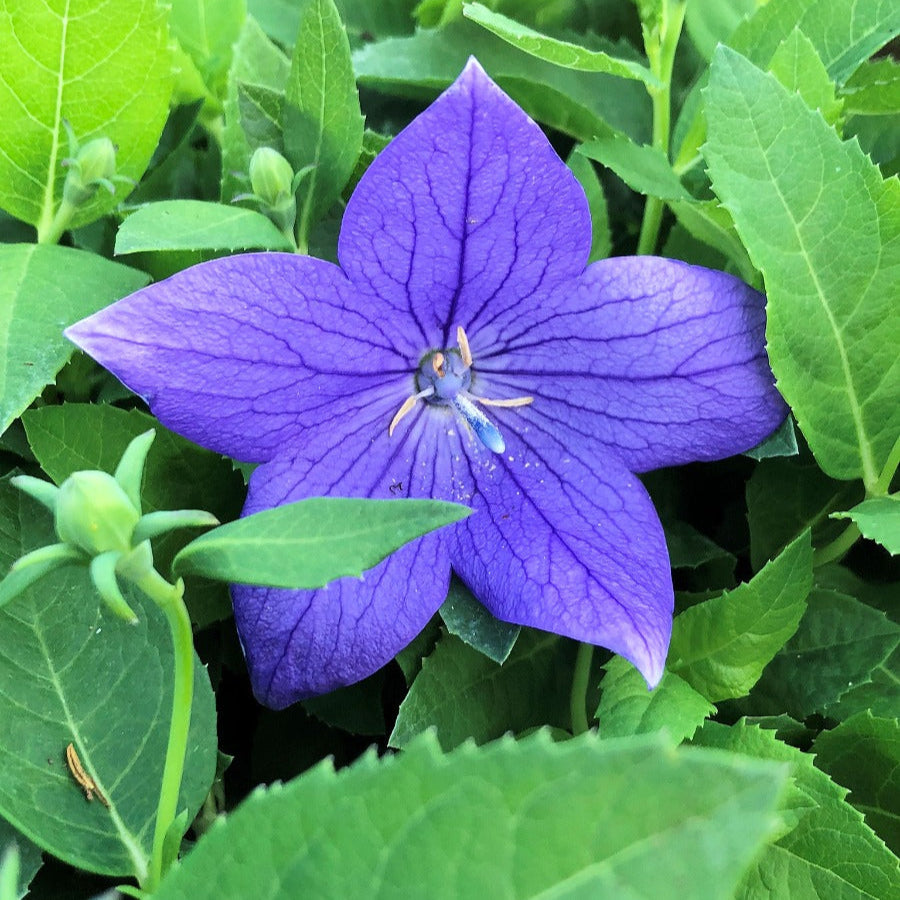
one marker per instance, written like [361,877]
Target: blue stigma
[449,378]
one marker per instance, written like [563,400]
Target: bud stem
[55,230]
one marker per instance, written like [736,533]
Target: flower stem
[57,226]
[883,484]
[580,682]
[838,547]
[660,46]
[169,598]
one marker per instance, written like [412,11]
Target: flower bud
[271,178]
[94,513]
[94,164]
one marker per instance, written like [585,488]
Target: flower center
[443,379]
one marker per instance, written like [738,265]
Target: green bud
[94,513]
[93,165]
[271,178]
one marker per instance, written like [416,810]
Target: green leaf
[863,754]
[557,52]
[323,126]
[515,819]
[464,695]
[197,225]
[104,70]
[44,289]
[643,168]
[28,863]
[838,645]
[627,707]
[844,33]
[468,620]
[261,109]
[830,851]
[256,61]
[797,66]
[207,30]
[781,442]
[721,646]
[601,239]
[829,248]
[690,549]
[72,673]
[580,104]
[880,695]
[874,89]
[310,542]
[178,475]
[878,520]
[711,22]
[785,497]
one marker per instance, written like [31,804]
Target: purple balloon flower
[462,351]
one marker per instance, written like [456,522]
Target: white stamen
[513,401]
[408,404]
[464,350]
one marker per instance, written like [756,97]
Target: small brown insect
[87,784]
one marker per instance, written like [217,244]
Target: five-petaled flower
[463,350]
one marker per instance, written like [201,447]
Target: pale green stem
[57,227]
[838,547]
[580,682]
[883,484]
[168,598]
[661,55]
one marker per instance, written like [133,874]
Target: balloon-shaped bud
[272,181]
[94,513]
[93,165]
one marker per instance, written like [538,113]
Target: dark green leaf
[522,819]
[311,542]
[863,754]
[462,694]
[601,239]
[465,617]
[44,289]
[70,672]
[323,127]
[874,89]
[261,110]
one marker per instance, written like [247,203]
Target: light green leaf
[29,861]
[310,542]
[462,694]
[601,239]
[863,754]
[829,852]
[178,475]
[824,228]
[627,707]
[721,646]
[552,50]
[844,33]
[838,646]
[581,104]
[514,819]
[643,168]
[711,22]
[874,89]
[197,225]
[256,61]
[207,31]
[104,69]
[466,618]
[44,289]
[797,66]
[72,673]
[878,520]
[323,126]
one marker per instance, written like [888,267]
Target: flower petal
[568,541]
[298,642]
[239,354]
[467,211]
[662,362]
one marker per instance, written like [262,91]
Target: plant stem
[883,484]
[580,683]
[660,47]
[838,547]
[54,231]
[169,598]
